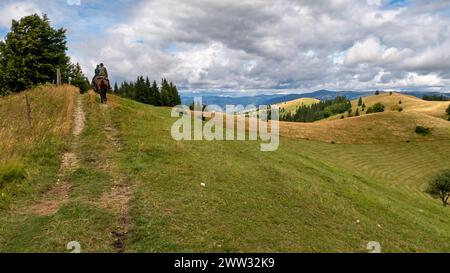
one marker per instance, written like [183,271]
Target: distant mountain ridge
[278,98]
[222,101]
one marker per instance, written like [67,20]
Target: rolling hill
[132,188]
[211,97]
[389,127]
[291,106]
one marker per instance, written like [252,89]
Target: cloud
[261,45]
[365,51]
[16,11]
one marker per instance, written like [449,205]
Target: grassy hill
[391,126]
[408,103]
[133,188]
[291,106]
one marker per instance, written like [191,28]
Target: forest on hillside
[317,111]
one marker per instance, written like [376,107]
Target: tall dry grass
[51,117]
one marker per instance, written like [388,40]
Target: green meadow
[131,178]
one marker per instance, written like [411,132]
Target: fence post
[58,76]
[27,99]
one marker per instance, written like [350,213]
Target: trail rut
[59,193]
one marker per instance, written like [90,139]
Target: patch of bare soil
[120,196]
[80,118]
[59,193]
[53,199]
[69,162]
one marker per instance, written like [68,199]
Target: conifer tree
[165,93]
[156,94]
[31,53]
[77,78]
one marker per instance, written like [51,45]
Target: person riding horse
[101,82]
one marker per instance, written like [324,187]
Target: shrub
[397,108]
[11,172]
[448,109]
[357,112]
[390,93]
[369,110]
[440,186]
[400,102]
[422,130]
[378,108]
[377,93]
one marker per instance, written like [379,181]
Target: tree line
[317,111]
[436,98]
[145,91]
[32,52]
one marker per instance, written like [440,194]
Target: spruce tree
[165,93]
[141,90]
[360,102]
[156,94]
[78,79]
[174,96]
[177,95]
[31,53]
[148,90]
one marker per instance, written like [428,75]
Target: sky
[257,46]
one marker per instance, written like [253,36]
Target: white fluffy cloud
[267,45]
[16,11]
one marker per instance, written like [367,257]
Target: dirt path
[59,193]
[117,200]
[119,197]
[114,200]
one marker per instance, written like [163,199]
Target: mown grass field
[390,126]
[309,196]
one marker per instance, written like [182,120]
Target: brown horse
[102,86]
